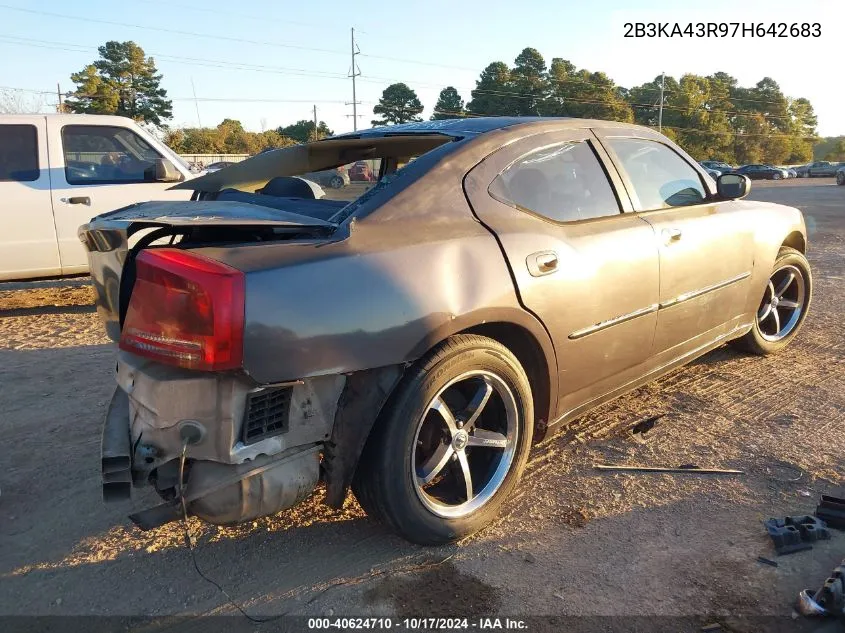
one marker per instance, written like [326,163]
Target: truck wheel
[784,306]
[451,444]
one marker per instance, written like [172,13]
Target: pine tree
[123,82]
[528,80]
[398,104]
[449,105]
[492,94]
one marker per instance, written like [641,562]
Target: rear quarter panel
[410,274]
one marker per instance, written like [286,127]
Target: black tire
[840,178]
[755,341]
[336,182]
[384,482]
[776,176]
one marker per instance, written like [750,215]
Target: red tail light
[185,310]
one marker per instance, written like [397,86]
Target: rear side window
[564,183]
[18,153]
[103,154]
[661,178]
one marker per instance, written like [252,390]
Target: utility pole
[196,103]
[660,112]
[315,122]
[354,72]
[59,92]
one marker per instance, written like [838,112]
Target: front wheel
[784,306]
[840,178]
[775,176]
[451,444]
[336,182]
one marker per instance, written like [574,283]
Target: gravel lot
[573,542]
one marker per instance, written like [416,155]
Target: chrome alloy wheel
[465,444]
[783,303]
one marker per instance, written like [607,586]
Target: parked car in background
[820,168]
[713,173]
[336,178]
[718,165]
[840,174]
[762,172]
[416,342]
[361,172]
[57,171]
[221,164]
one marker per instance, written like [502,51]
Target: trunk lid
[113,239]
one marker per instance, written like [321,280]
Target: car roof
[82,119]
[476,125]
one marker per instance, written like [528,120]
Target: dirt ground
[619,551]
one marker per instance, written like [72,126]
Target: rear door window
[18,153]
[564,183]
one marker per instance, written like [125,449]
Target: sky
[267,63]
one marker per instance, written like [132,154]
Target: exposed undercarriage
[252,450]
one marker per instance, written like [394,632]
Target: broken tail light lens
[185,310]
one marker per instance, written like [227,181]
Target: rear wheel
[840,178]
[775,176]
[784,305]
[452,443]
[336,182]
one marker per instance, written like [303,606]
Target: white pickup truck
[57,171]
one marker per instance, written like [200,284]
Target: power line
[232,14]
[200,99]
[485,92]
[172,31]
[470,115]
[292,46]
[369,79]
[191,61]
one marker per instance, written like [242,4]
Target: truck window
[18,153]
[99,154]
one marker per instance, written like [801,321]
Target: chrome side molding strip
[703,291]
[611,322]
[598,327]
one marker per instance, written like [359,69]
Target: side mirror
[162,170]
[733,186]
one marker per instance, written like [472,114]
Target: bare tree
[20,102]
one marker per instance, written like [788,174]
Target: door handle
[671,235]
[77,200]
[542,263]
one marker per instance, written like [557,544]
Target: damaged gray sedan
[412,337]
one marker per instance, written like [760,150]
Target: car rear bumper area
[252,450]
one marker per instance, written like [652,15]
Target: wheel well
[795,240]
[529,354]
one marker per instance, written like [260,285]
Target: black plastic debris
[829,600]
[796,533]
[832,511]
